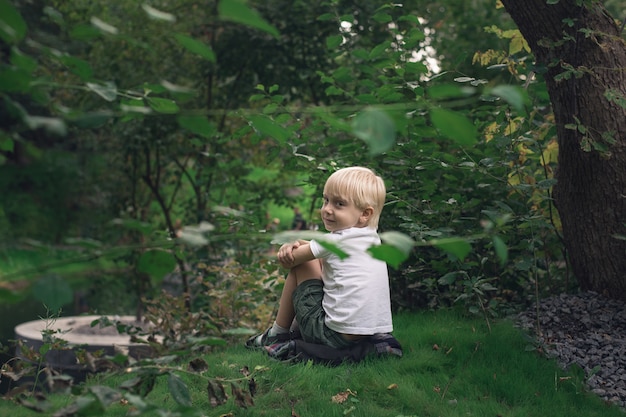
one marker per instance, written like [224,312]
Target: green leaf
[332,42]
[163,105]
[107,91]
[501,249]
[23,61]
[91,120]
[105,395]
[134,106]
[179,390]
[615,96]
[415,68]
[6,143]
[333,248]
[84,405]
[376,129]
[399,240]
[270,108]
[448,279]
[12,25]
[378,50]
[389,254]
[456,246]
[199,125]
[517,44]
[156,263]
[382,17]
[136,401]
[237,11]
[326,17]
[14,80]
[196,47]
[454,126]
[333,91]
[268,127]
[78,66]
[53,291]
[84,32]
[332,120]
[547,183]
[443,91]
[511,94]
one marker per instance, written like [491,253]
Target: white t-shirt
[356,289]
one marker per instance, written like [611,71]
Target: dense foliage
[127,126]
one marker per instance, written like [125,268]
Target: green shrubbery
[468,162]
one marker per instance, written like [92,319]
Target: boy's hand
[285,253]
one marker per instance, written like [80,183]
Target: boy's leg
[297,275]
[286,313]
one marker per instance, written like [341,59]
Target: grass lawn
[452,366]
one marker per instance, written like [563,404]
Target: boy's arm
[296,254]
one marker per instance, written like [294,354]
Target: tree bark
[585,59]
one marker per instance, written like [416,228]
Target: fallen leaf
[342,397]
[216,393]
[392,386]
[242,398]
[198,365]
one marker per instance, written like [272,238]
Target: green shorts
[307,302]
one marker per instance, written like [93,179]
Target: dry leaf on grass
[343,396]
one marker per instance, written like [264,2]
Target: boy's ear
[367,214]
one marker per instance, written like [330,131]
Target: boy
[337,302]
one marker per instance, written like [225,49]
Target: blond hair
[361,186]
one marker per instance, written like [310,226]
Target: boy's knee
[308,270]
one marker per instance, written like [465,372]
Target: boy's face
[339,213]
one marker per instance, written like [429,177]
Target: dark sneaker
[256,342]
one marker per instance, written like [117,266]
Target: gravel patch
[588,330]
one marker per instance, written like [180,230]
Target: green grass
[452,366]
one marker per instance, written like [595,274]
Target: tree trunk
[585,60]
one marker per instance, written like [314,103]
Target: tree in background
[581,55]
